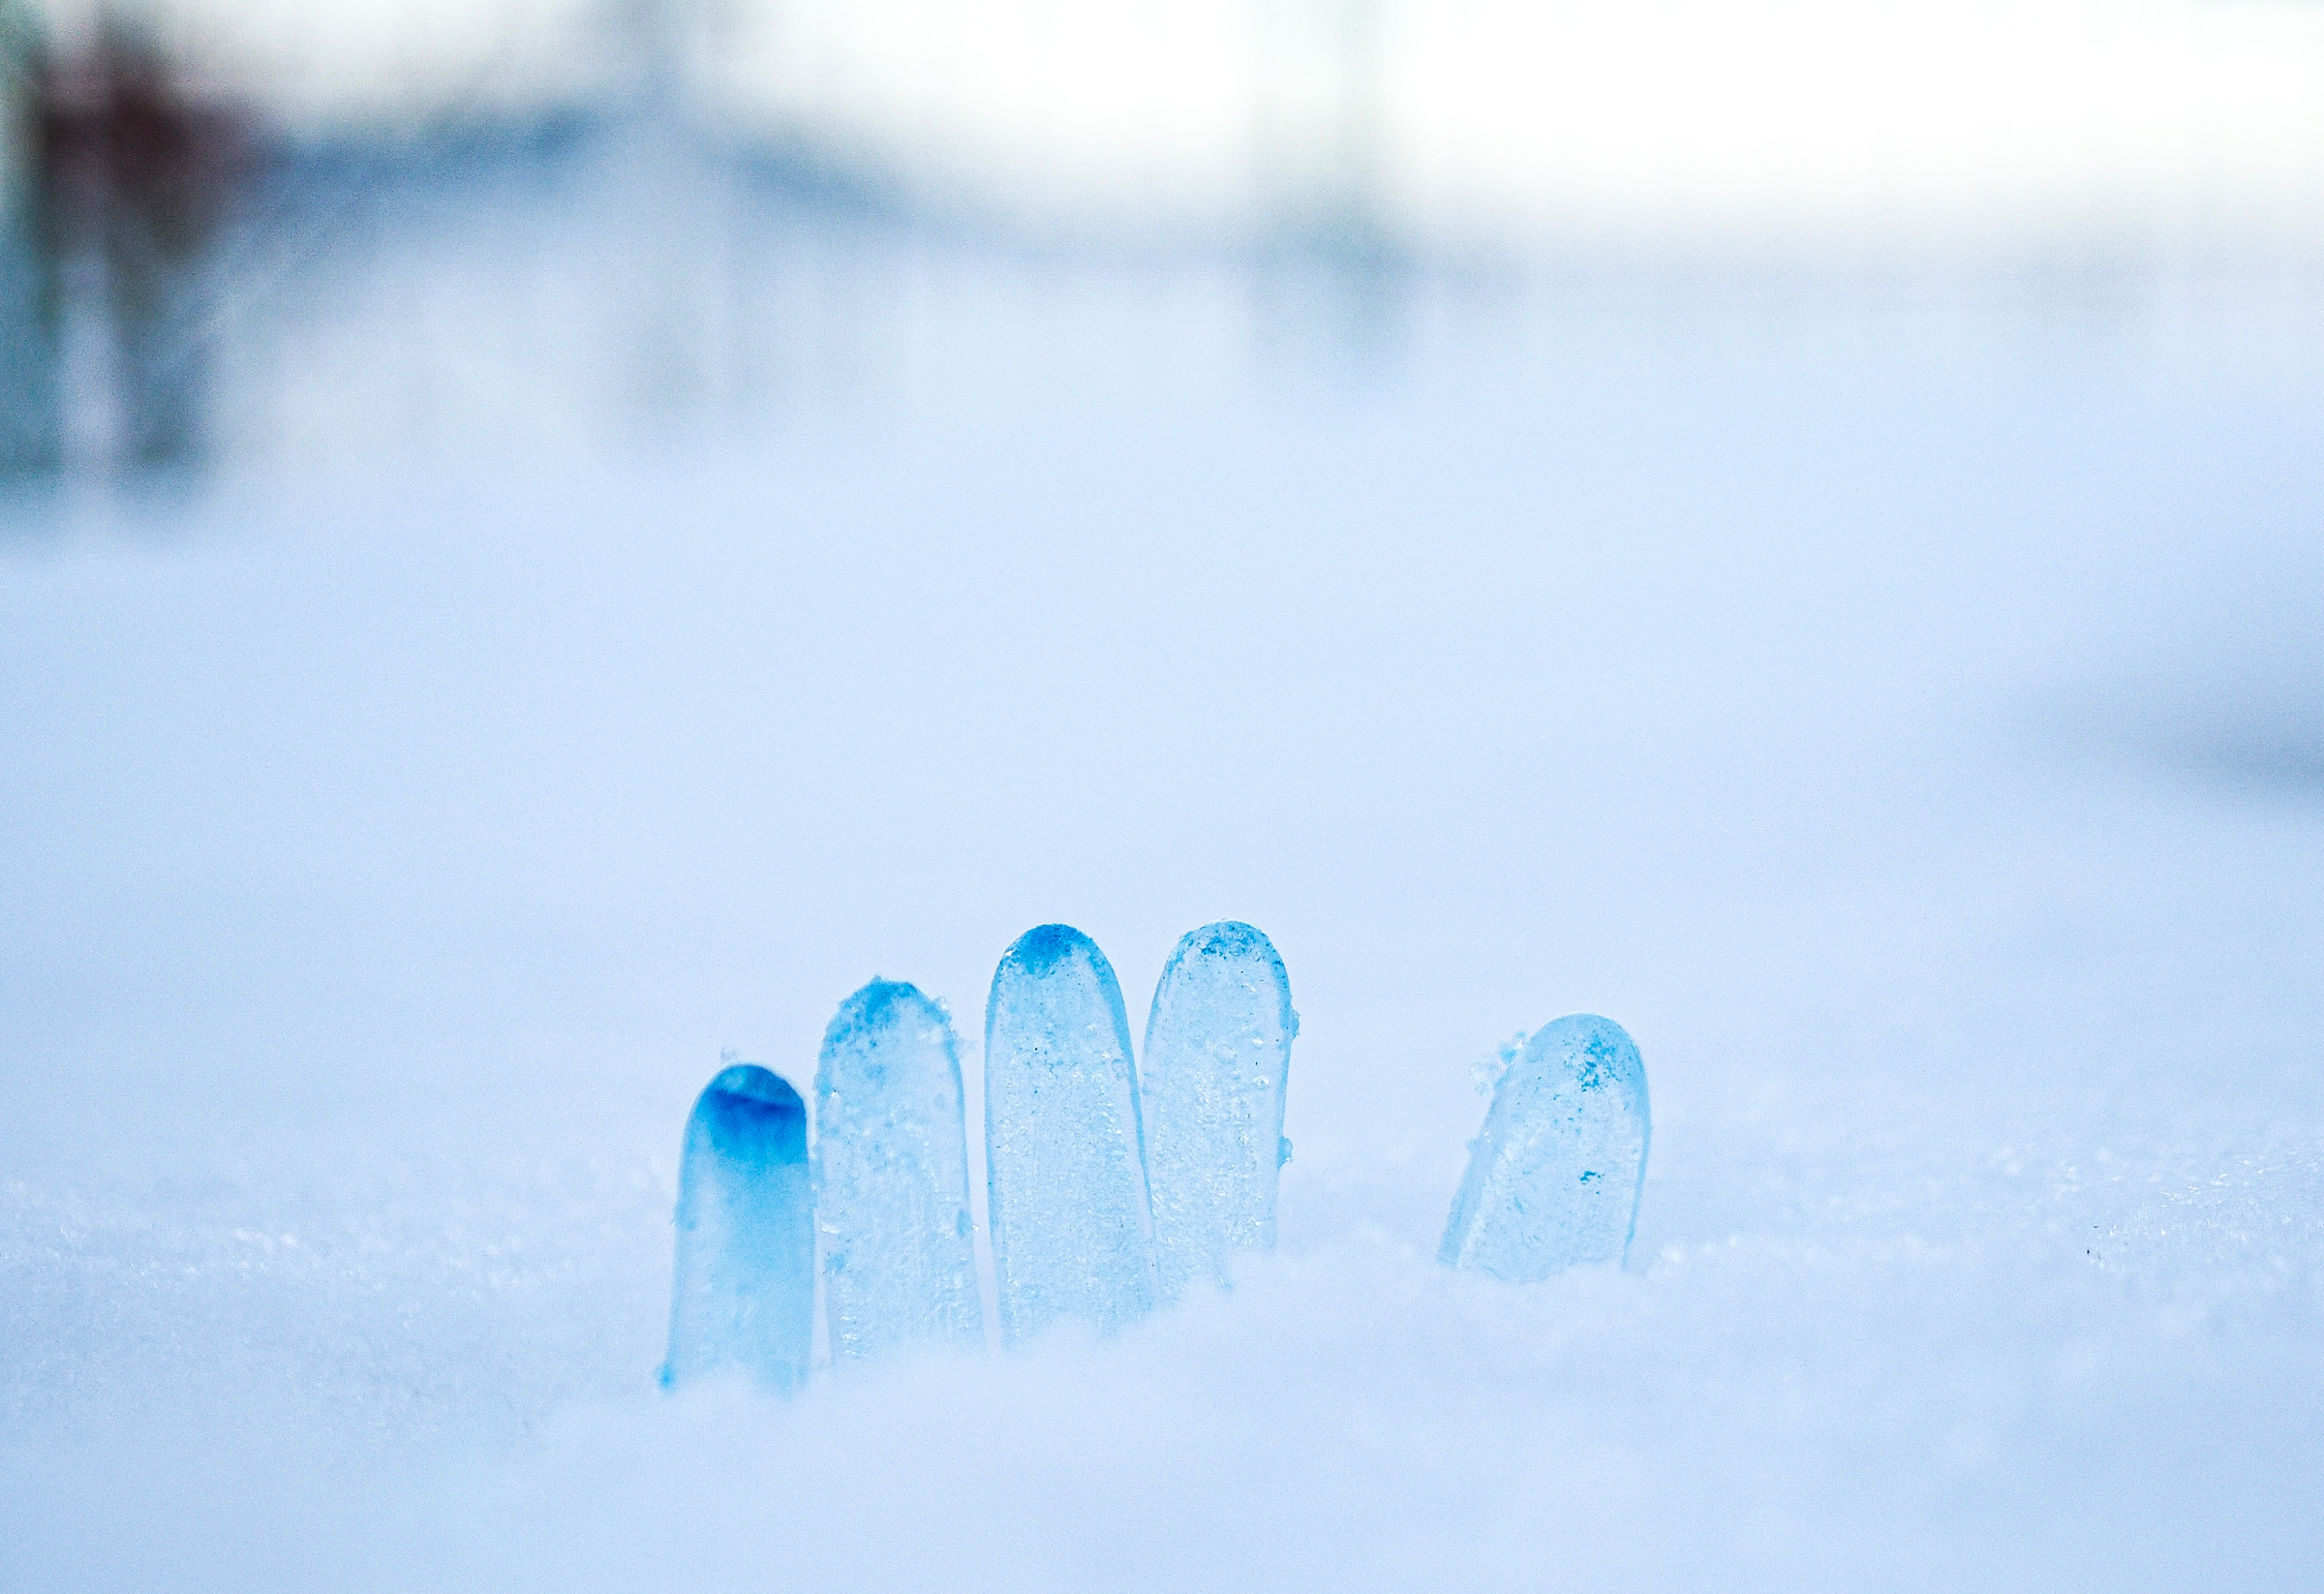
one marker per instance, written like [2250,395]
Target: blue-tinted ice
[745,1289]
[1064,1155]
[1554,1176]
[1217,1056]
[892,1177]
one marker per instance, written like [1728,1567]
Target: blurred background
[240,234]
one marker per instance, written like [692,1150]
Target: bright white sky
[1799,112]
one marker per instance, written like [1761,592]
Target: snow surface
[1909,733]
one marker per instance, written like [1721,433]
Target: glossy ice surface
[744,1290]
[1211,1082]
[1071,1235]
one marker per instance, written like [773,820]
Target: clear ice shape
[1217,1059]
[1066,1164]
[892,1177]
[743,1293]
[1555,1176]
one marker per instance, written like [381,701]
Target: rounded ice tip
[1226,938]
[752,1114]
[879,1004]
[752,1083]
[1044,947]
[1586,1052]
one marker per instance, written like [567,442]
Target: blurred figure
[131,179]
[30,391]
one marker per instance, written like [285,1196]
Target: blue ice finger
[1212,1082]
[1554,1176]
[892,1177]
[742,1295]
[1065,1161]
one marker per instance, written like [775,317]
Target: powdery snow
[1910,734]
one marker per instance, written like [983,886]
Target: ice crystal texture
[1218,1057]
[1553,1180]
[892,1177]
[743,1291]
[1064,1154]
